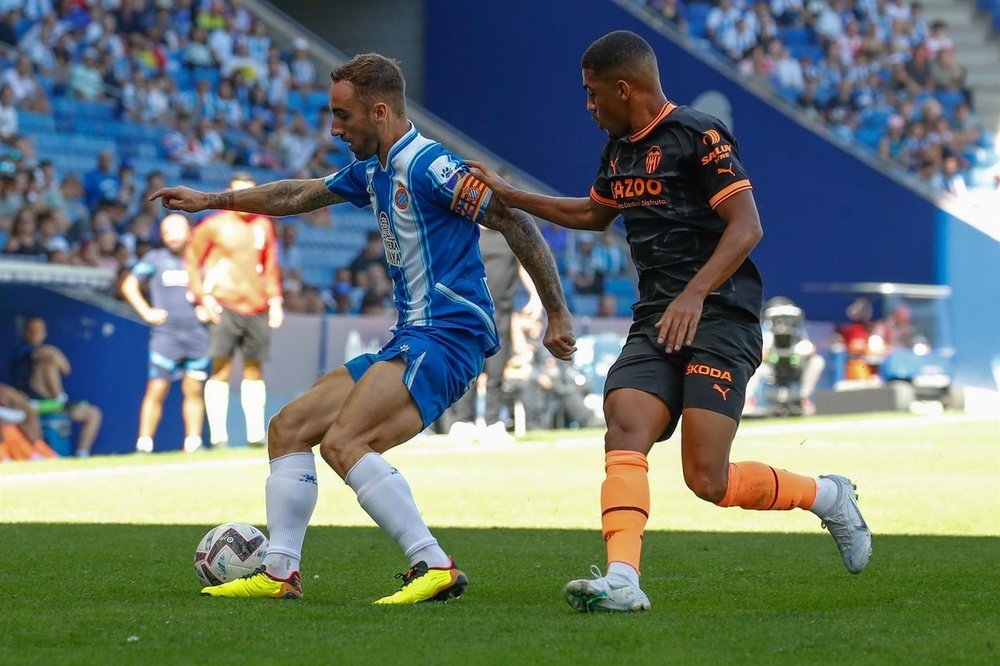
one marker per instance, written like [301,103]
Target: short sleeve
[601,190]
[351,182]
[144,269]
[454,187]
[718,166]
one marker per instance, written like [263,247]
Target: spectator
[297,144]
[289,253]
[373,253]
[582,269]
[952,181]
[373,303]
[8,113]
[609,257]
[28,93]
[312,301]
[258,42]
[86,80]
[891,147]
[38,370]
[49,234]
[607,306]
[343,302]
[20,428]
[196,55]
[23,240]
[938,39]
[737,39]
[302,67]
[722,17]
[787,70]
[101,184]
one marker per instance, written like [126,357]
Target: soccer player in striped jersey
[676,177]
[427,205]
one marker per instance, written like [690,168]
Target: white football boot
[605,593]
[847,526]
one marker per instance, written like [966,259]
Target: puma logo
[721,390]
[728,170]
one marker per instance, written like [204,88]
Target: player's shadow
[716,597]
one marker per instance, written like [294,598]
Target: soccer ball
[228,552]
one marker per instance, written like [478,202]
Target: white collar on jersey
[401,143]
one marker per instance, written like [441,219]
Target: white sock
[217,409]
[826,497]
[626,571]
[385,495]
[291,492]
[144,444]
[192,443]
[253,397]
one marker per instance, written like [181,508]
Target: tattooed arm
[523,237]
[282,197]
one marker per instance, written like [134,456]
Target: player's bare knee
[706,485]
[621,437]
[283,435]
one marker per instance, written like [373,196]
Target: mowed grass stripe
[935,479]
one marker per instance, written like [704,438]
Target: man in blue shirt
[427,205]
[178,343]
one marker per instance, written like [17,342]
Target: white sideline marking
[129,470]
[440,445]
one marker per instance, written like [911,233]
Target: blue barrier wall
[970,263]
[827,216]
[108,356]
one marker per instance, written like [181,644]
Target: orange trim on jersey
[664,112]
[729,191]
[604,201]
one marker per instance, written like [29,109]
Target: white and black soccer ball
[228,552]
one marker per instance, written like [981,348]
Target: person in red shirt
[233,272]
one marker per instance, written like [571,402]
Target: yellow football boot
[258,584]
[423,583]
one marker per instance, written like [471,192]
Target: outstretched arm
[282,197]
[569,212]
[526,241]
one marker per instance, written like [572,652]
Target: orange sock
[624,505]
[754,485]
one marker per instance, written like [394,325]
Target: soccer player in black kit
[676,177]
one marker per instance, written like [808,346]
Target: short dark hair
[617,52]
[375,79]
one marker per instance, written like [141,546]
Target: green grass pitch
[98,558]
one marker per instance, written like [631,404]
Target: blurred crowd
[873,71]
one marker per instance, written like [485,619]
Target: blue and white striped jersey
[427,205]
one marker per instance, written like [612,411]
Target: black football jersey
[667,179]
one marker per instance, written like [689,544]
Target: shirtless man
[233,272]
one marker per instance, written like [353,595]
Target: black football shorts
[249,333]
[712,373]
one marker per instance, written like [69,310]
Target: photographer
[786,379]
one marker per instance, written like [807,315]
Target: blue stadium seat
[796,36]
[869,135]
[585,305]
[697,15]
[30,123]
[622,288]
